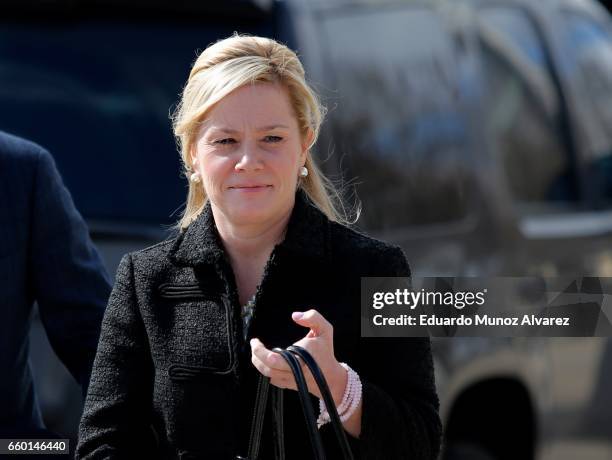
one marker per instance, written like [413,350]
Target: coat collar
[307,235]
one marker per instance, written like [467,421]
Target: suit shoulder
[350,238]
[17,149]
[353,244]
[156,250]
[153,257]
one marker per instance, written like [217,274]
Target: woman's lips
[250,188]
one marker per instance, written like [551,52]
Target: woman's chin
[250,213]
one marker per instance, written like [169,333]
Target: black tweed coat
[173,376]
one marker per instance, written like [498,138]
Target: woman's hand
[319,342]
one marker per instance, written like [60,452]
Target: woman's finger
[282,379]
[268,357]
[319,326]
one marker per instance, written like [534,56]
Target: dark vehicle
[476,134]
[481,136]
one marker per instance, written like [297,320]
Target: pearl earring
[195,178]
[303,171]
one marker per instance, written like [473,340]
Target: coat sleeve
[69,281]
[116,418]
[400,406]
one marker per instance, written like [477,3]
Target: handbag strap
[277,407]
[304,394]
[327,398]
[261,399]
[278,422]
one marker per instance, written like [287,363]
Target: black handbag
[291,355]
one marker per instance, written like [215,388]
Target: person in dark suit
[263,260]
[47,257]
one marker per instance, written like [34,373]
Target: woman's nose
[249,157]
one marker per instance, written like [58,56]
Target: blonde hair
[224,67]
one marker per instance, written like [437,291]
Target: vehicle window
[98,94]
[522,113]
[589,46]
[396,121]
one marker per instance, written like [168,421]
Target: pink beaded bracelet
[345,398]
[350,399]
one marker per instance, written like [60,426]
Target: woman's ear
[193,158]
[306,144]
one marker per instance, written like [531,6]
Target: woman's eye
[273,138]
[225,141]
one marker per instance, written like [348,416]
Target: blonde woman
[263,259]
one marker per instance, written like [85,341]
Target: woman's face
[248,152]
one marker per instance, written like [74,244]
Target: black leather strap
[261,398]
[290,356]
[304,394]
[327,398]
[277,415]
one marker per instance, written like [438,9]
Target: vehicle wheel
[467,451]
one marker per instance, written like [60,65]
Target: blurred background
[477,134]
